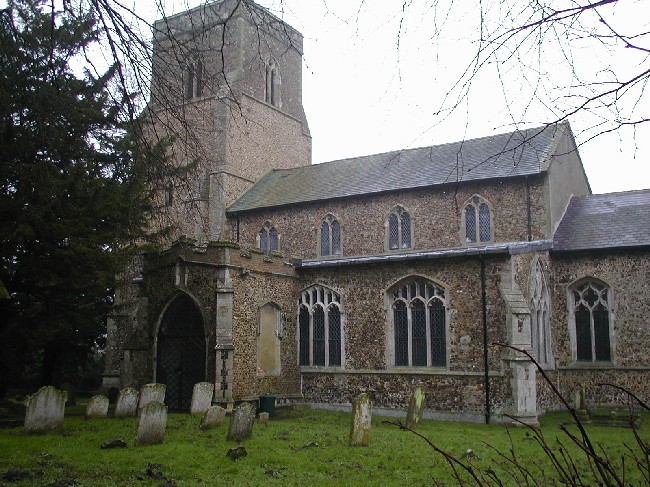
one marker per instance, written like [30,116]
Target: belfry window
[399,229]
[268,238]
[194,79]
[477,221]
[419,324]
[320,328]
[330,236]
[272,85]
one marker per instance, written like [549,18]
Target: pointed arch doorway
[181,352]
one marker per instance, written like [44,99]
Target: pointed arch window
[419,324]
[194,79]
[477,221]
[540,315]
[320,328]
[272,83]
[592,321]
[329,236]
[269,239]
[399,229]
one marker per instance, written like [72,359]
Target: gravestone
[581,405]
[213,417]
[127,403]
[97,407]
[152,393]
[264,418]
[45,410]
[416,406]
[241,424]
[201,397]
[361,421]
[152,424]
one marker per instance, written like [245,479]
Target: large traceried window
[320,328]
[268,238]
[330,236]
[399,229]
[477,221]
[592,324]
[540,315]
[419,324]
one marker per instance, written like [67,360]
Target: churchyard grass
[299,446]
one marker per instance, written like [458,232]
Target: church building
[446,267]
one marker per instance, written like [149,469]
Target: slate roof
[520,153]
[613,220]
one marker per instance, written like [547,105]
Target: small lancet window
[194,79]
[268,238]
[399,229]
[477,221]
[272,85]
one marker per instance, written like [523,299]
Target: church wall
[628,275]
[456,388]
[435,218]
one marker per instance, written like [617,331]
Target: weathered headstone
[127,403]
[97,407]
[263,417]
[45,411]
[415,409]
[581,405]
[201,397]
[241,424]
[361,421]
[152,393]
[152,424]
[213,417]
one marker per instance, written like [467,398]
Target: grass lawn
[300,446]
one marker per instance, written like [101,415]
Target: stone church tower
[227,89]
[227,93]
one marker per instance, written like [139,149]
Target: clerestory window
[591,321]
[329,236]
[268,238]
[320,328]
[477,221]
[399,229]
[418,324]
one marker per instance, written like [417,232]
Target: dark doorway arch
[181,352]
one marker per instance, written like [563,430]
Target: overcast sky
[375,77]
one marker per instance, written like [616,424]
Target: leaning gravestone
[213,417]
[201,397]
[45,410]
[241,424]
[127,403]
[151,393]
[416,406]
[97,407]
[152,424]
[361,421]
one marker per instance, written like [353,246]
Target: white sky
[363,94]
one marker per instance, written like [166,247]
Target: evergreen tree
[75,193]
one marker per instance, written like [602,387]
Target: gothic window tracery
[320,328]
[330,236]
[268,238]
[477,221]
[591,310]
[419,324]
[399,229]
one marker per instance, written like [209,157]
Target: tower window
[272,85]
[194,79]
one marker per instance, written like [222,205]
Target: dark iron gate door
[181,352]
